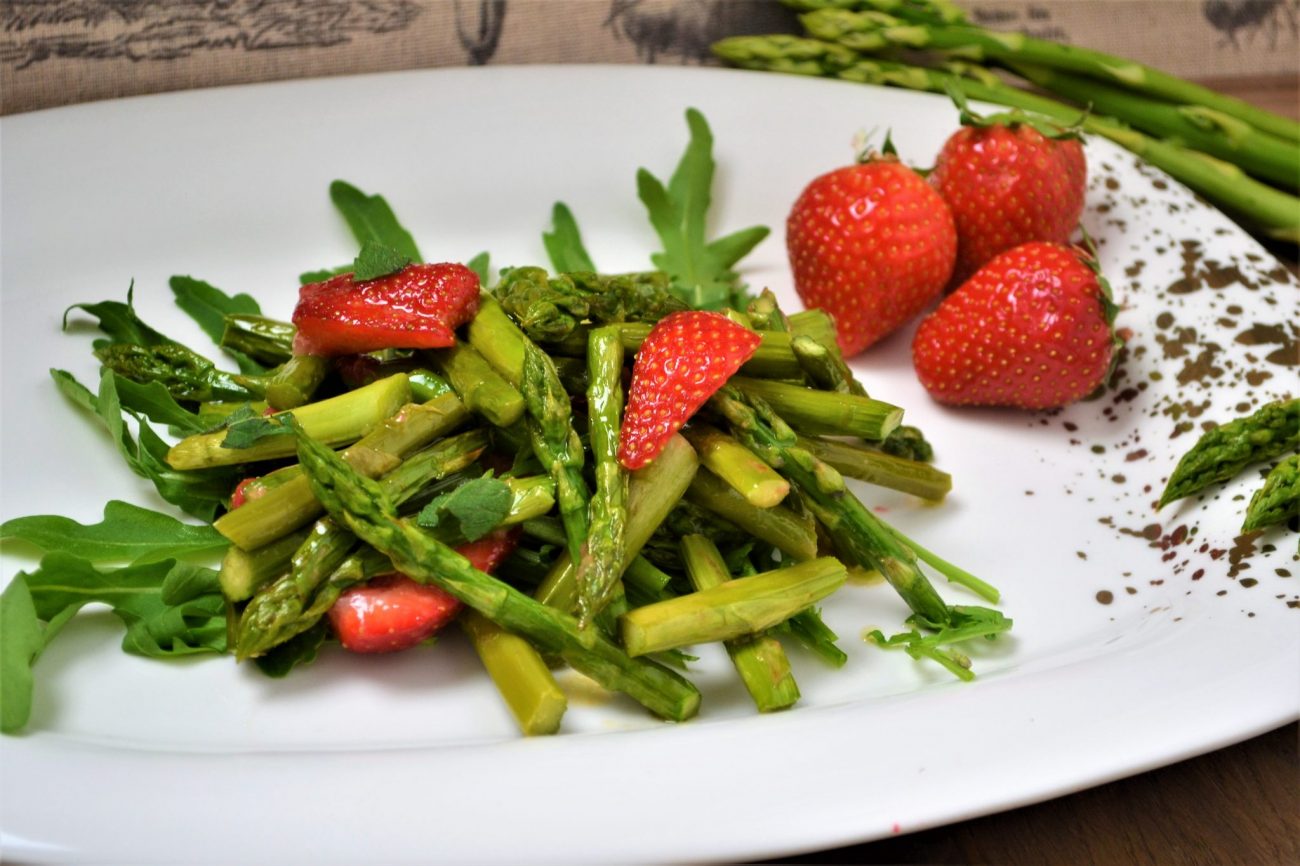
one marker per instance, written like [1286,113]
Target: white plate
[410,759]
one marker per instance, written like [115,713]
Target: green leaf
[200,493]
[478,507]
[119,321]
[301,649]
[481,265]
[22,638]
[246,432]
[209,306]
[564,243]
[322,275]
[701,271]
[371,219]
[128,533]
[156,403]
[377,260]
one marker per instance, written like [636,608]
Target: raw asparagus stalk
[498,339]
[824,412]
[480,386]
[556,443]
[244,572]
[601,560]
[955,574]
[336,421]
[651,494]
[549,309]
[185,374]
[1279,498]
[825,366]
[293,383]
[777,525]
[928,11]
[759,660]
[739,607]
[765,313]
[519,673]
[291,505]
[358,503]
[1221,453]
[1196,126]
[870,31]
[1275,212]
[735,464]
[876,467]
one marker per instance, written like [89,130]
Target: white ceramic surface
[412,758]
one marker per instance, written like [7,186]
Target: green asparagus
[1221,453]
[1278,500]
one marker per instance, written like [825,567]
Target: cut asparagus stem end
[824,412]
[743,606]
[777,525]
[520,675]
[336,421]
[735,464]
[883,470]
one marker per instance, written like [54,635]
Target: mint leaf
[128,533]
[371,219]
[200,493]
[477,506]
[377,260]
[701,271]
[564,242]
[168,608]
[209,306]
[246,432]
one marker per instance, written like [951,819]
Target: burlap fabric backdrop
[57,52]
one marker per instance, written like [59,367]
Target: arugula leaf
[156,403]
[478,507]
[119,321]
[564,242]
[321,276]
[301,649]
[377,260]
[200,493]
[168,608]
[245,432]
[701,271]
[128,533]
[209,306]
[481,265]
[371,219]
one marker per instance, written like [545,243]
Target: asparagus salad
[436,443]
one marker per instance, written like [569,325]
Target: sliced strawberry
[685,358]
[419,307]
[393,612]
[243,492]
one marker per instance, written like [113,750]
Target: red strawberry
[1031,329]
[243,492]
[393,612]
[685,358]
[1009,181]
[419,307]
[872,244]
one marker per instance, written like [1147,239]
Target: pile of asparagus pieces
[733,533]
[1242,158]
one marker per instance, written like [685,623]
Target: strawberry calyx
[1014,118]
[1089,257]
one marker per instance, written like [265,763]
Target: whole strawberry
[873,245]
[1031,329]
[1009,181]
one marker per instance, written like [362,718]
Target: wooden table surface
[1235,805]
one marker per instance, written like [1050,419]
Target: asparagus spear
[1278,499]
[244,572]
[1221,453]
[1196,126]
[760,660]
[871,31]
[1275,212]
[267,341]
[879,468]
[185,374]
[824,412]
[555,442]
[549,309]
[601,560]
[291,505]
[336,421]
[520,675]
[930,11]
[480,386]
[777,525]
[498,339]
[358,503]
[739,607]
[735,464]
[651,494]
